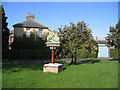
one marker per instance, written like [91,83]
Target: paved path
[58,61]
[79,60]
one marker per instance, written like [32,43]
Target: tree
[75,37]
[5,30]
[113,38]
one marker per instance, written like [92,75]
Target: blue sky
[98,15]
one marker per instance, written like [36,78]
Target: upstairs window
[40,33]
[28,32]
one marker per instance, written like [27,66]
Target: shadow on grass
[114,59]
[90,61]
[17,67]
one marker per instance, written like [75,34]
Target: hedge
[27,54]
[113,53]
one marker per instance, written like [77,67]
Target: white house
[103,50]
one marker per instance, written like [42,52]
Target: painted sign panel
[53,40]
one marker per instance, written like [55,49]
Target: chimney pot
[30,17]
[96,38]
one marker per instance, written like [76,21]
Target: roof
[30,24]
[102,41]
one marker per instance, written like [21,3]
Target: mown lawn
[103,74]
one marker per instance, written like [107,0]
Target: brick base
[55,68]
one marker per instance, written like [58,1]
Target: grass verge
[103,74]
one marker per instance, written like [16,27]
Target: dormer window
[28,32]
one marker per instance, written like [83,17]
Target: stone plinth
[55,68]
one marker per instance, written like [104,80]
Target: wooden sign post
[52,60]
[53,42]
[52,56]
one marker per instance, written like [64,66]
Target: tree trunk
[75,57]
[71,60]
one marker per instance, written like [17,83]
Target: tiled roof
[30,24]
[102,41]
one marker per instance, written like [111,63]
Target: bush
[32,42]
[5,53]
[113,53]
[30,54]
[27,54]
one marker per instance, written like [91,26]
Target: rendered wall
[19,31]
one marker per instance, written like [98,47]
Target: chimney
[96,38]
[30,16]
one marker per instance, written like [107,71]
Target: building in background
[11,37]
[28,27]
[103,50]
[31,26]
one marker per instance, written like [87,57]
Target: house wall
[11,36]
[46,32]
[33,30]
[19,31]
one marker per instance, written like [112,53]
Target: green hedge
[5,53]
[113,53]
[27,54]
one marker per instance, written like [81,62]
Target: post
[52,58]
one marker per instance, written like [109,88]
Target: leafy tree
[75,37]
[113,37]
[5,30]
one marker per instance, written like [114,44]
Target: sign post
[52,56]
[53,42]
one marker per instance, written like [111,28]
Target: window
[40,33]
[28,32]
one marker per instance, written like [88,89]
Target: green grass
[103,74]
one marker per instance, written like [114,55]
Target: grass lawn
[103,74]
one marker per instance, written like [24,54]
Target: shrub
[32,42]
[29,54]
[113,53]
[24,47]
[5,53]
